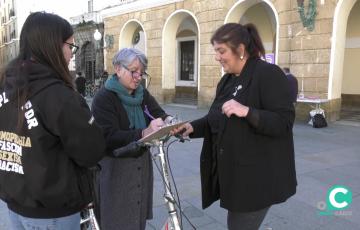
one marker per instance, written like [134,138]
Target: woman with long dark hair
[48,137]
[247,159]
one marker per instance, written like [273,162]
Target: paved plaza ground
[324,157]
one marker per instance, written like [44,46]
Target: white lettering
[10,147]
[20,170]
[334,202]
[28,105]
[11,167]
[3,99]
[29,114]
[32,123]
[2,165]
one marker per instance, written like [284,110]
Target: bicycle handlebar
[180,136]
[133,149]
[136,148]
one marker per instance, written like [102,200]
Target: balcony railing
[12,35]
[87,17]
[126,1]
[125,6]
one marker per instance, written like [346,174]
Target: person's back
[293,83]
[46,129]
[80,83]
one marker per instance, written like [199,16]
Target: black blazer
[255,160]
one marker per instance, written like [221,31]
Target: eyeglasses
[135,74]
[74,48]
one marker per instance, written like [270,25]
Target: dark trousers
[246,220]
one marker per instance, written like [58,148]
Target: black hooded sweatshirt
[44,168]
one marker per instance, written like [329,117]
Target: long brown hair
[41,40]
[234,34]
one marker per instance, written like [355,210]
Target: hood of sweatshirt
[33,76]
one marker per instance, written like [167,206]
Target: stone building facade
[9,41]
[176,38]
[89,60]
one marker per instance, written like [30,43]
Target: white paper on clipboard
[163,131]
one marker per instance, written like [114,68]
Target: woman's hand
[184,129]
[233,107]
[154,125]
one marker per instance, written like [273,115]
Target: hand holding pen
[155,124]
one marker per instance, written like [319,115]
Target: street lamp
[97,35]
[99,54]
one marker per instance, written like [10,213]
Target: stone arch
[130,29]
[268,31]
[338,41]
[170,41]
[88,61]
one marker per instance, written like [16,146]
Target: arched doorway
[133,35]
[180,72]
[344,81]
[263,15]
[350,90]
[88,61]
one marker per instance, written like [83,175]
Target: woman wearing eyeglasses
[48,138]
[126,111]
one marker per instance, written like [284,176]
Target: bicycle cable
[177,203]
[172,178]
[176,191]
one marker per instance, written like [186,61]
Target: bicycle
[88,220]
[172,222]
[91,89]
[158,140]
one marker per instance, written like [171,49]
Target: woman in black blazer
[247,159]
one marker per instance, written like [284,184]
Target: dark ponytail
[255,47]
[234,34]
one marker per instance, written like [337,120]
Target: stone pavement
[324,157]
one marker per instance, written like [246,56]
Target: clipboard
[163,131]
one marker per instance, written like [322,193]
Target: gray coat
[126,184]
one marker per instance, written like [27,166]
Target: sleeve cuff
[253,117]
[138,134]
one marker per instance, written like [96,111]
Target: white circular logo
[339,197]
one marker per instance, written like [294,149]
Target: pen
[146,111]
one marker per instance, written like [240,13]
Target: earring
[241,57]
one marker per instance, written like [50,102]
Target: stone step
[185,101]
[350,114]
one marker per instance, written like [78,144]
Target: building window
[136,38]
[11,13]
[187,53]
[186,73]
